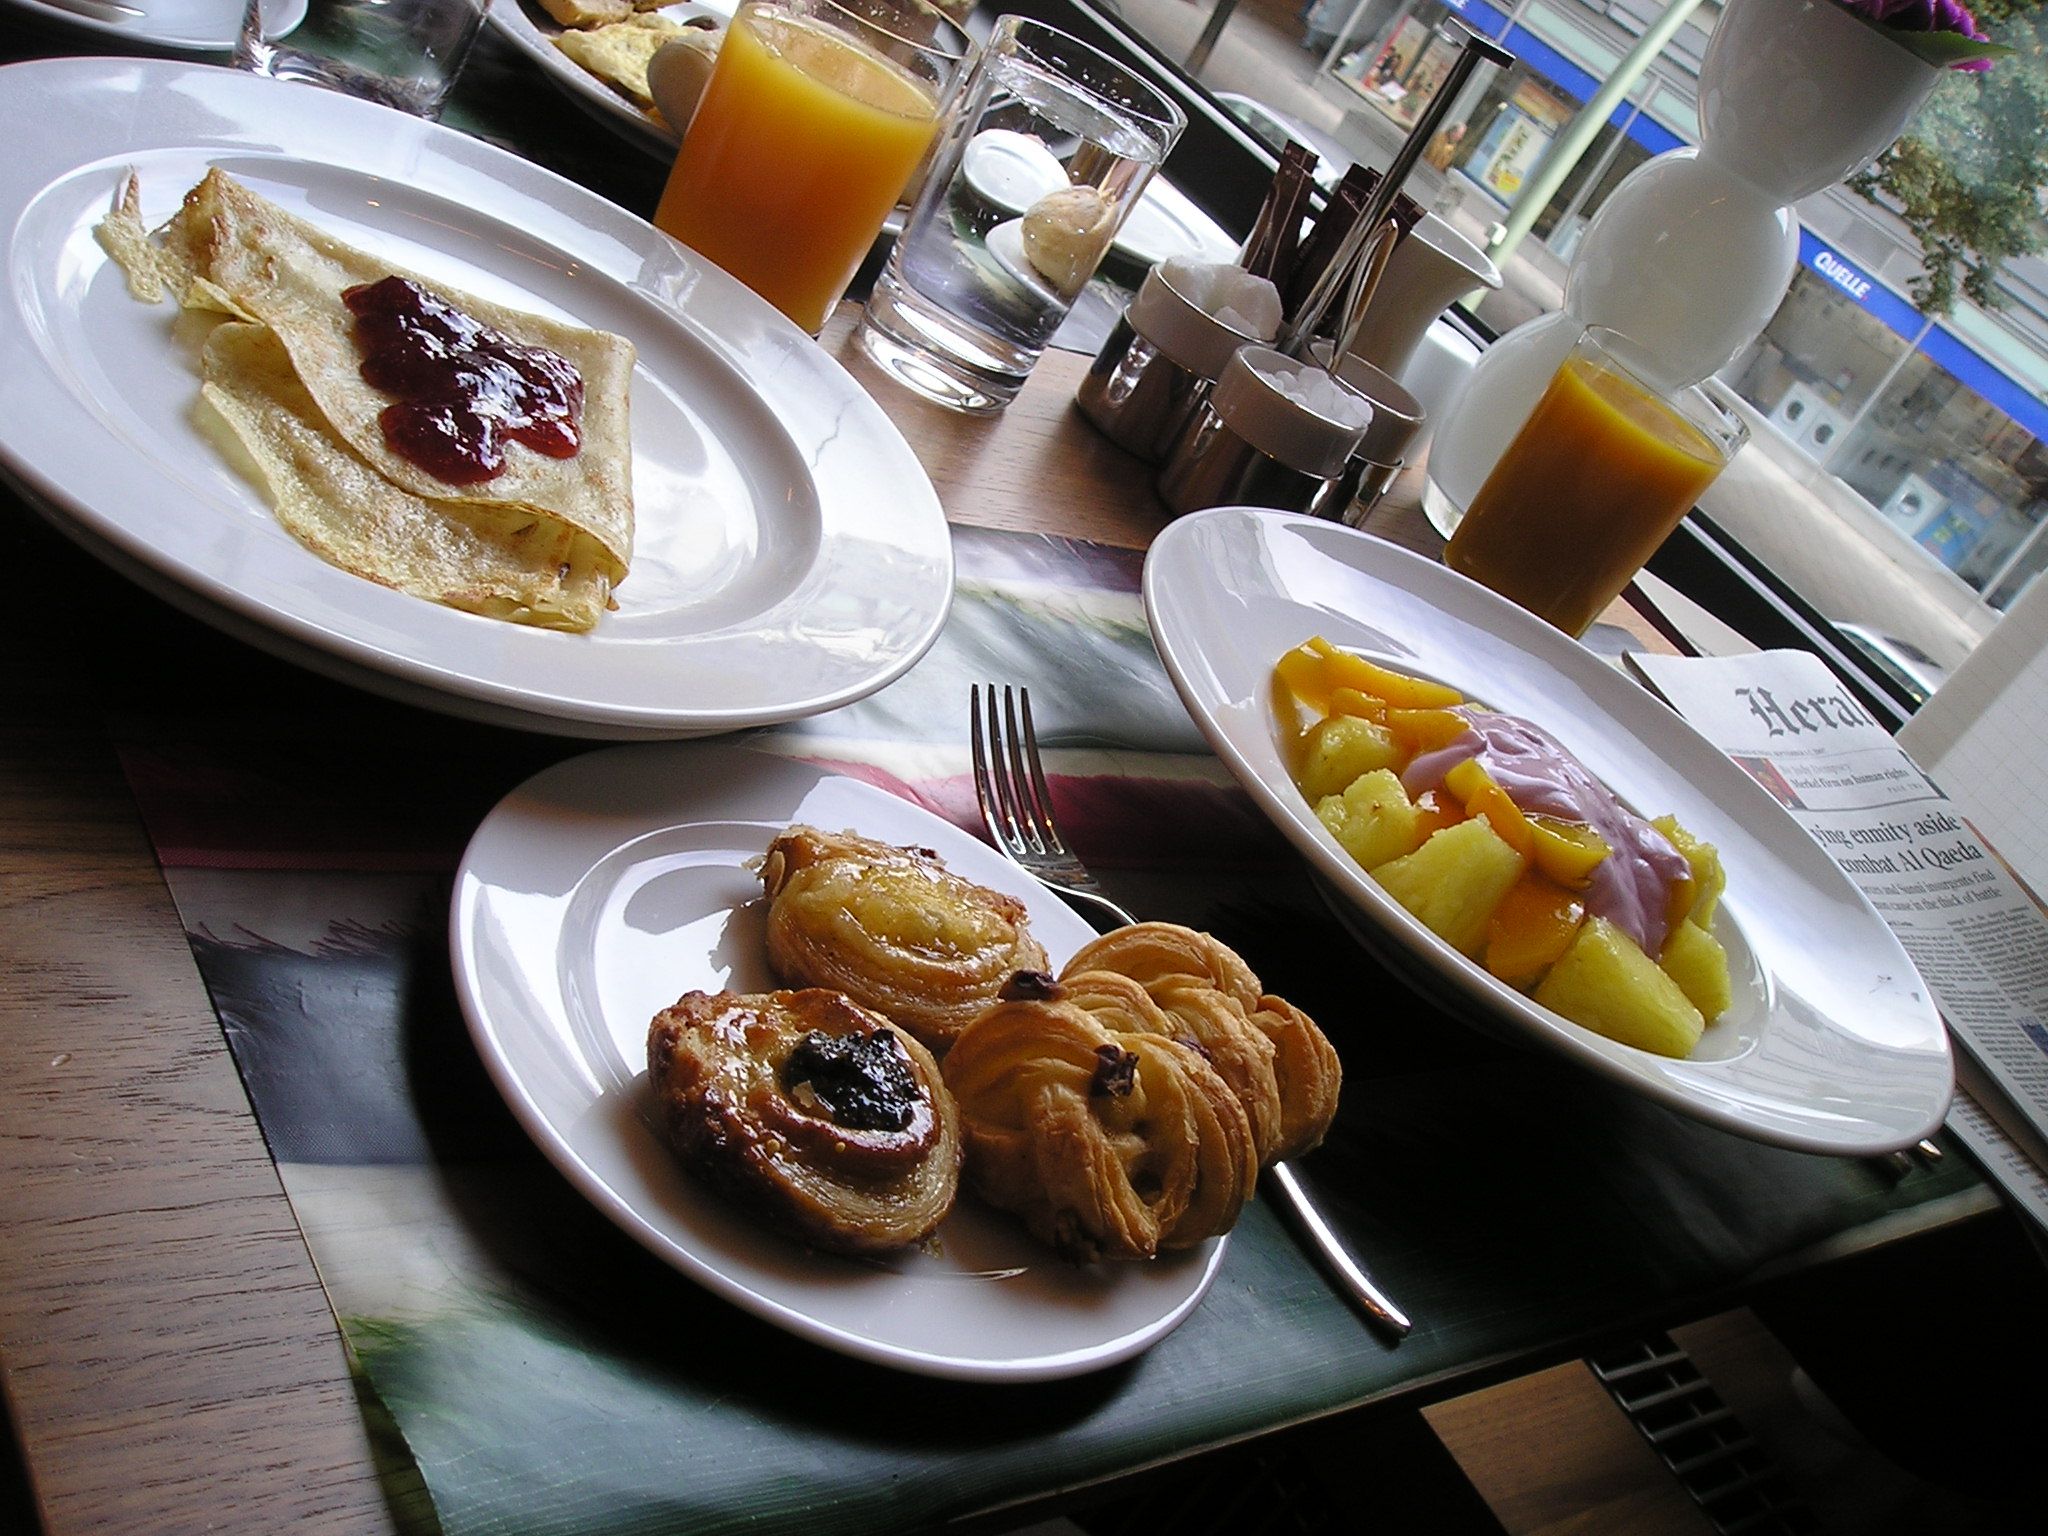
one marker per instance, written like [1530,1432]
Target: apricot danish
[810,1111]
[1109,1145]
[893,929]
[1280,1065]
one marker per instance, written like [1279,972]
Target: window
[1919,437]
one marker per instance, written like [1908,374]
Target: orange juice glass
[1604,468]
[813,120]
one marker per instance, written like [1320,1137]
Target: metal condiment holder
[1351,261]
[1249,444]
[1156,367]
[1370,482]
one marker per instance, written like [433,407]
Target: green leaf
[1945,49]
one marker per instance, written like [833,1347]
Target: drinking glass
[1044,154]
[1596,479]
[404,53]
[814,118]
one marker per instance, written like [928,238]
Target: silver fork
[1016,806]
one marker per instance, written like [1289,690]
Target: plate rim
[593,95]
[418,671]
[1167,202]
[140,33]
[463,913]
[1477,991]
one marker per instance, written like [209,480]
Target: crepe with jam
[517,504]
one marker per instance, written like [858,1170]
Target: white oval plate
[528,27]
[1832,1045]
[790,556]
[1166,223]
[175,26]
[1014,170]
[603,889]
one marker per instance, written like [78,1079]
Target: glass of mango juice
[811,124]
[1605,467]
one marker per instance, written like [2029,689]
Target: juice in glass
[1597,478]
[801,145]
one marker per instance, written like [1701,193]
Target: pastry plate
[603,889]
[1832,1045]
[790,554]
[527,26]
[172,26]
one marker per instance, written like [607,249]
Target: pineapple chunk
[1695,960]
[1708,878]
[1339,749]
[1605,982]
[1454,881]
[1374,818]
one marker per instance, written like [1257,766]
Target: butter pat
[1065,233]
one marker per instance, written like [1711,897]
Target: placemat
[548,1375]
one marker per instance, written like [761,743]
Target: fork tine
[1041,792]
[983,795]
[989,777]
[1015,798]
[1020,782]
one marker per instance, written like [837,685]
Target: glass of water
[1046,151]
[404,53]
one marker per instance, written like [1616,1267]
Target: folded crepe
[544,542]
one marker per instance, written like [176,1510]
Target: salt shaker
[1160,359]
[1275,432]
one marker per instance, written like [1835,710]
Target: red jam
[464,390]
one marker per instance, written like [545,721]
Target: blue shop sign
[1550,65]
[1846,277]
[2003,391]
[1480,17]
[1943,346]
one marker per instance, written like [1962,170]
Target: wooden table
[159,1316]
[170,1360]
[160,1319]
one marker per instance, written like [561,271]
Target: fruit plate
[1832,1044]
[604,888]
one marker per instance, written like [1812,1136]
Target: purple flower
[1951,17]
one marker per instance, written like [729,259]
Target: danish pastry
[893,929]
[1109,1145]
[1281,1066]
[811,1111]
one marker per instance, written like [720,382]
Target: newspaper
[1976,934]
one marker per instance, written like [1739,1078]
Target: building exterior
[1937,422]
